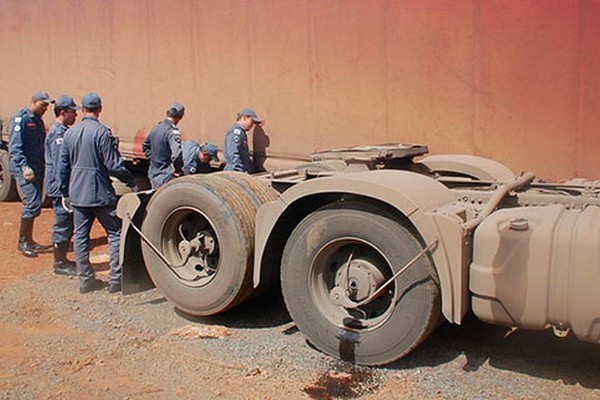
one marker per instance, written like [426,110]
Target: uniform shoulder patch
[176,132]
[17,128]
[237,131]
[18,119]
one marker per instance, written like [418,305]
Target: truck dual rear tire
[8,190]
[220,211]
[355,251]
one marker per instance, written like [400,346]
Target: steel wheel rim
[197,271]
[369,269]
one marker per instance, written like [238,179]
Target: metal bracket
[159,254]
[346,302]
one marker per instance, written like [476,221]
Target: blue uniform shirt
[190,150]
[88,157]
[26,142]
[53,144]
[191,162]
[235,151]
[163,148]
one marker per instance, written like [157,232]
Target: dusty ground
[58,344]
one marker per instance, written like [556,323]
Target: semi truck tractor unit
[374,246]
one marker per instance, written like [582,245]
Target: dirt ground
[58,344]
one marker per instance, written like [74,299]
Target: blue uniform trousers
[83,218]
[160,179]
[32,195]
[62,230]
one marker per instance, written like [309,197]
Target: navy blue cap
[176,110]
[66,102]
[91,101]
[42,96]
[249,112]
[211,149]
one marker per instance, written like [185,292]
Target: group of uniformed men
[170,157]
[76,161]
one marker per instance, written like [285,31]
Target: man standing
[163,148]
[26,148]
[65,111]
[235,151]
[88,157]
[197,157]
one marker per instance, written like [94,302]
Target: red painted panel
[512,80]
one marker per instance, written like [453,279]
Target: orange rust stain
[138,140]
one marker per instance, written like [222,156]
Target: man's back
[235,151]
[89,153]
[163,148]
[53,144]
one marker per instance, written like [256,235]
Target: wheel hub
[198,250]
[355,281]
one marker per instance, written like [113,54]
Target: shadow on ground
[535,353]
[264,311]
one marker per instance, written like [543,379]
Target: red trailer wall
[511,80]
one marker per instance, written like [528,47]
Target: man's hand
[66,204]
[28,174]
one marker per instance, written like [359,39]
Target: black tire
[222,210]
[8,190]
[259,192]
[387,328]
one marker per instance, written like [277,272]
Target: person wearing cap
[65,111]
[26,147]
[88,158]
[197,157]
[163,148]
[235,151]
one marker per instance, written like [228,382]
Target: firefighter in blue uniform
[235,151]
[88,157]
[163,148]
[197,157]
[26,147]
[65,111]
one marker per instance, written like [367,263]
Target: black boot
[62,266]
[35,246]
[25,245]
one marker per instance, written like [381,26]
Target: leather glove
[28,174]
[66,204]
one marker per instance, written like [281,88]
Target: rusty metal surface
[509,80]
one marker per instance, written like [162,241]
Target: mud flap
[131,208]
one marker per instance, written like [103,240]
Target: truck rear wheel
[336,253]
[204,226]
[8,190]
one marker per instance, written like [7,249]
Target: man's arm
[15,142]
[113,161]
[237,149]
[176,153]
[146,146]
[63,170]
